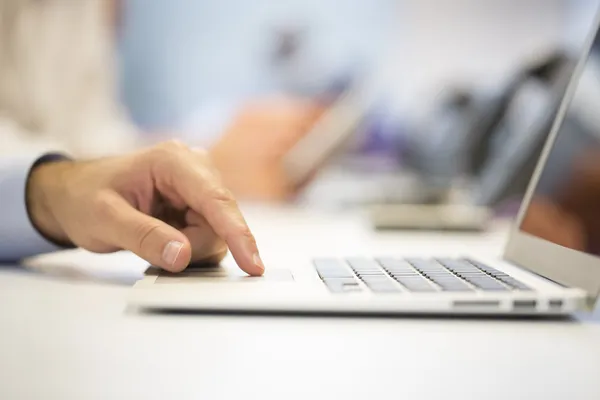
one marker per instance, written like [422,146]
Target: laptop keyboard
[419,275]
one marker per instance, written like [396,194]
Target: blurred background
[443,102]
[446,82]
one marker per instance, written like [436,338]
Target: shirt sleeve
[18,237]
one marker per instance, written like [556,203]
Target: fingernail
[171,252]
[258,262]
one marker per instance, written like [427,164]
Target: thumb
[153,240]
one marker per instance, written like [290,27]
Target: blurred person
[57,81]
[58,91]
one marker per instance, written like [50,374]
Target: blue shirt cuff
[18,237]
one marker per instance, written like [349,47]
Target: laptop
[550,266]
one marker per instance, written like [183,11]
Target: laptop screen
[565,206]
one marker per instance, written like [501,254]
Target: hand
[166,204]
[250,154]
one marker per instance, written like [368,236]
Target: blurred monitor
[516,144]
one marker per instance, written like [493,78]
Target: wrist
[44,193]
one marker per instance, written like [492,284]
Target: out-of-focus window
[179,56]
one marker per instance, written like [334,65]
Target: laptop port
[555,304]
[524,305]
[476,304]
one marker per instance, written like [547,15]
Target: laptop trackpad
[220,274]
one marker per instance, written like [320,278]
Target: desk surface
[65,333]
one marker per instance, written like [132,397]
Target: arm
[18,237]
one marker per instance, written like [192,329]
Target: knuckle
[246,234]
[204,160]
[223,195]
[103,206]
[175,144]
[206,163]
[144,233]
[171,148]
[240,232]
[201,152]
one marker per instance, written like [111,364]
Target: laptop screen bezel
[568,267]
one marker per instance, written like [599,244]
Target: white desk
[71,337]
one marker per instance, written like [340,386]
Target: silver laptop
[550,265]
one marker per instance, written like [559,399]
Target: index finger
[201,188]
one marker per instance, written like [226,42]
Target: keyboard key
[375,278]
[458,288]
[486,268]
[420,289]
[501,276]
[411,284]
[403,271]
[342,285]
[381,286]
[513,283]
[405,275]
[451,284]
[441,274]
[423,265]
[385,289]
[479,275]
[372,273]
[332,268]
[411,278]
[395,265]
[363,264]
[446,278]
[348,281]
[335,274]
[416,284]
[492,287]
[343,288]
[487,284]
[473,274]
[459,266]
